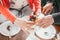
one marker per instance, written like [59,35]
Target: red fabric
[6,3]
[30,16]
[36,4]
[9,15]
[5,11]
[31,2]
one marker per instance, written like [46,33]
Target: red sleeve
[37,4]
[5,11]
[6,3]
[30,3]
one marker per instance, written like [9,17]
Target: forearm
[56,18]
[5,11]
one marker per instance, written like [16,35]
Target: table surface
[23,35]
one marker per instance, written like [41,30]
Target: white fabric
[2,18]
[19,4]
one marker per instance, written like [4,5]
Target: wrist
[50,16]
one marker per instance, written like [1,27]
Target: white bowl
[13,29]
[47,33]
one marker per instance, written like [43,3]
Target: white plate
[46,33]
[13,29]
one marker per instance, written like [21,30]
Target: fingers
[29,22]
[47,8]
[44,26]
[45,22]
[43,10]
[40,22]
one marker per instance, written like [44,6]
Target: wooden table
[23,35]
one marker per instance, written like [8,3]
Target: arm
[5,11]
[49,20]
[24,24]
[37,4]
[56,18]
